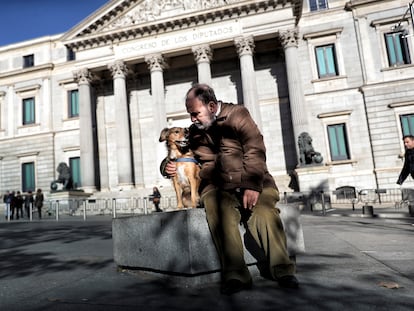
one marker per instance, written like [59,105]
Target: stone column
[203,55]
[245,47]
[123,138]
[157,64]
[2,109]
[84,77]
[289,40]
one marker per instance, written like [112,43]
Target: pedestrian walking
[156,199]
[28,202]
[408,167]
[6,201]
[38,202]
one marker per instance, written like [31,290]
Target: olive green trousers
[224,213]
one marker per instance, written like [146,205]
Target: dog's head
[176,139]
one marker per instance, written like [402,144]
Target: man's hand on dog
[250,197]
[171,169]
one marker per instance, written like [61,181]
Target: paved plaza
[351,263]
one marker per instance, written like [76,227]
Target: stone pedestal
[68,195]
[67,201]
[179,243]
[313,177]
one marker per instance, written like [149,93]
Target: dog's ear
[164,134]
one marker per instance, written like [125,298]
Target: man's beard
[206,125]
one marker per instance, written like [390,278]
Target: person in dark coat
[19,204]
[38,202]
[6,201]
[28,200]
[408,167]
[13,205]
[156,199]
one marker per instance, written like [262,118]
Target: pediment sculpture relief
[151,10]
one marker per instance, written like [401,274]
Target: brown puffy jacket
[231,152]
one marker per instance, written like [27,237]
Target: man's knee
[268,198]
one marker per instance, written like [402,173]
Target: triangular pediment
[119,19]
[146,11]
[120,14]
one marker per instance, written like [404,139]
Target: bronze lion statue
[306,152]
[64,177]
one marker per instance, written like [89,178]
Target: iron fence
[350,196]
[313,200]
[85,208]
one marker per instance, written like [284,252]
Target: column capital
[118,69]
[83,76]
[289,38]
[202,53]
[156,62]
[244,45]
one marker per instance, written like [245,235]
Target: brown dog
[187,179]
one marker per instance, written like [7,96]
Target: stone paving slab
[68,265]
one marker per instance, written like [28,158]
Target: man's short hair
[203,92]
[408,136]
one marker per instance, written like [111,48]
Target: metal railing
[85,208]
[350,196]
[126,206]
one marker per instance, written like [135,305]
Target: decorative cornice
[355,3]
[25,71]
[98,34]
[401,104]
[324,33]
[334,114]
[27,154]
[23,89]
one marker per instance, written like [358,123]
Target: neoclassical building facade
[98,96]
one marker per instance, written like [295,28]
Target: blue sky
[22,20]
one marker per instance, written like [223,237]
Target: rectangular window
[28,111]
[28,61]
[28,177]
[316,5]
[70,55]
[74,164]
[338,143]
[326,61]
[407,124]
[397,48]
[73,103]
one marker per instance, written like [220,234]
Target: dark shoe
[233,286]
[288,281]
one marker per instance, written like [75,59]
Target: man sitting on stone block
[235,182]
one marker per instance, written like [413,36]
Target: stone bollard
[411,209]
[368,210]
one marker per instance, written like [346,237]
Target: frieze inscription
[179,39]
